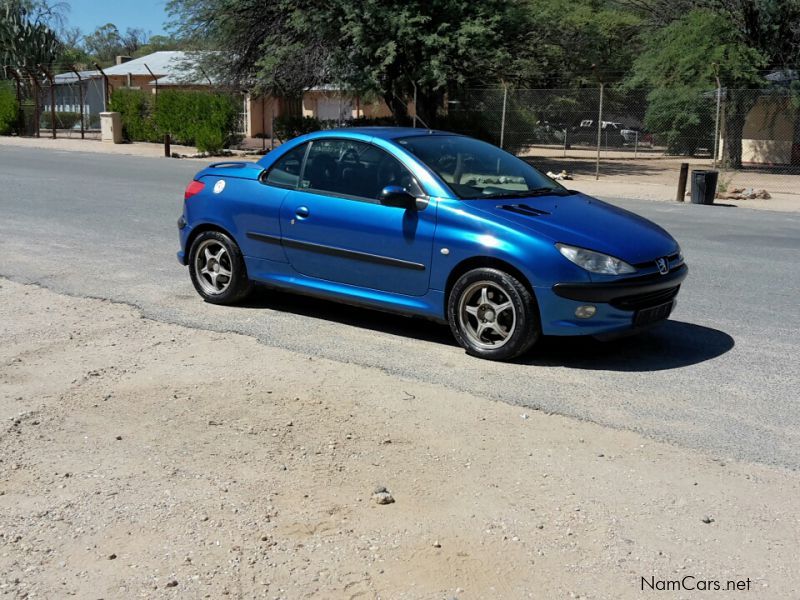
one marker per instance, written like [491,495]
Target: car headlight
[595,262]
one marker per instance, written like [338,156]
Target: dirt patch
[139,459]
[656,178]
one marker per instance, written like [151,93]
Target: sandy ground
[146,460]
[655,177]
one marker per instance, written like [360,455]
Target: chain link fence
[56,100]
[751,136]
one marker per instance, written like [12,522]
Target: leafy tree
[398,49]
[766,36]
[106,42]
[157,43]
[685,57]
[391,48]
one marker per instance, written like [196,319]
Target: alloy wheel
[213,267]
[487,315]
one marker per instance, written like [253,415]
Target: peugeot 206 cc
[430,224]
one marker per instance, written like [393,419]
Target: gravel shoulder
[142,459]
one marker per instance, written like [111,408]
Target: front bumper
[632,293]
[617,302]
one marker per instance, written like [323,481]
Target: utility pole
[599,123]
[503,117]
[716,120]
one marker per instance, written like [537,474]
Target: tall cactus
[25,44]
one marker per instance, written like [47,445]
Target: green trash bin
[704,186]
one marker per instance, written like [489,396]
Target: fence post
[167,140]
[716,122]
[636,144]
[565,142]
[49,76]
[415,104]
[503,117]
[599,132]
[264,125]
[36,108]
[80,98]
[682,182]
[155,82]
[106,90]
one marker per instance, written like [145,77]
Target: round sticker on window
[219,186]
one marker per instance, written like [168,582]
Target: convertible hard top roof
[389,133]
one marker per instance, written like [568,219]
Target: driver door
[335,228]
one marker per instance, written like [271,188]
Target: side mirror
[394,195]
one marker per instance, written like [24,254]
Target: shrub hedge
[193,118]
[9,111]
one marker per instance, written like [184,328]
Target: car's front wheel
[492,315]
[217,269]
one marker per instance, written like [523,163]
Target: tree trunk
[398,107]
[737,108]
[292,106]
[428,104]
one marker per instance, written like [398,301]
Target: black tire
[486,289]
[224,255]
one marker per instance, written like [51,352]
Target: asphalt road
[721,375]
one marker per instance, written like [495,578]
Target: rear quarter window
[285,172]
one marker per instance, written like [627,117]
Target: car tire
[217,269]
[492,315]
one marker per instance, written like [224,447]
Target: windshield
[475,169]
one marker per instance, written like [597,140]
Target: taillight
[195,187]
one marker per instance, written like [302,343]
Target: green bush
[135,109]
[209,139]
[193,118]
[9,110]
[64,119]
[682,119]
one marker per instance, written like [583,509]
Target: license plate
[653,314]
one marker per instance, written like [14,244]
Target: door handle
[302,212]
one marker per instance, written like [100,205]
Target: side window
[286,172]
[349,168]
[325,164]
[389,171]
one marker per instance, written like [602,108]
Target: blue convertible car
[431,224]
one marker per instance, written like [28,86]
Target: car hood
[581,220]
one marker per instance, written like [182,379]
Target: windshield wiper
[540,191]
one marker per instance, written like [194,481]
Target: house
[167,68]
[771,134]
[72,89]
[173,69]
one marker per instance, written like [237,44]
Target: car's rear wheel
[217,269]
[492,315]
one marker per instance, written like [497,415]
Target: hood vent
[523,209]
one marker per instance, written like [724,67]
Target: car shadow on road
[670,345]
[363,318]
